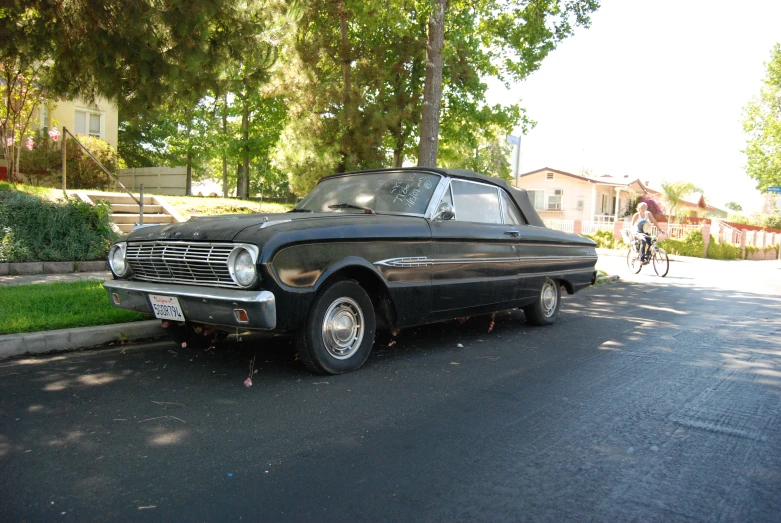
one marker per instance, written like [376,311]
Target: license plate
[166,307]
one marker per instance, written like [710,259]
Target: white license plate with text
[166,307]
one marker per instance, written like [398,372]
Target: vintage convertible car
[388,248]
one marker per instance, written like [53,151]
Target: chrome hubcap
[548,298]
[343,328]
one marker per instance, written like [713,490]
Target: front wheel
[339,332]
[633,261]
[661,262]
[546,308]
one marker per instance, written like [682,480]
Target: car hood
[209,228]
[228,227]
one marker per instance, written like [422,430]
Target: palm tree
[673,193]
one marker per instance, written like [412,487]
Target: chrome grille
[181,262]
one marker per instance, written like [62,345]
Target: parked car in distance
[388,248]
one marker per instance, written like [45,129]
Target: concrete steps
[125,211]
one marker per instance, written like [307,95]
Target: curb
[77,338]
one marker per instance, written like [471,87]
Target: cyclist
[641,217]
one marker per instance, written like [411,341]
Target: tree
[762,124]
[734,206]
[673,193]
[140,54]
[22,85]
[432,90]
[514,38]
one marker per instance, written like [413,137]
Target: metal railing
[65,134]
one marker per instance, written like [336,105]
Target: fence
[594,226]
[560,225]
[156,180]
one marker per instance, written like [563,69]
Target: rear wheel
[661,262]
[546,308]
[633,262]
[339,332]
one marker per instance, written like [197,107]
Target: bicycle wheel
[661,262]
[633,261]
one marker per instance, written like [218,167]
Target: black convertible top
[519,195]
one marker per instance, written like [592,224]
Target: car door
[475,260]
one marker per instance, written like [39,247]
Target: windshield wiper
[301,210]
[366,210]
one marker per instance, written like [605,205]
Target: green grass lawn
[61,305]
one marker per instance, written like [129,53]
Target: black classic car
[378,249]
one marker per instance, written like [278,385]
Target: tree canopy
[267,87]
[762,124]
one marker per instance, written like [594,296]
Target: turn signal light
[115,297]
[241,315]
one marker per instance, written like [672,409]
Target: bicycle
[658,256]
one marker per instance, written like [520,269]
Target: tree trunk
[244,179]
[224,155]
[189,180]
[347,113]
[432,91]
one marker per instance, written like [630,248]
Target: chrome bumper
[209,305]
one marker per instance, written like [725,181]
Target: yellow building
[100,119]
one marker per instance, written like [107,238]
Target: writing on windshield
[403,192]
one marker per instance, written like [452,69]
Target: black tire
[661,262]
[339,331]
[633,262]
[545,309]
[191,336]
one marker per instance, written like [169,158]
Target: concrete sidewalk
[76,338]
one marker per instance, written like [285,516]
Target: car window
[475,202]
[510,211]
[447,198]
[403,192]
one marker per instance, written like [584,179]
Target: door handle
[513,233]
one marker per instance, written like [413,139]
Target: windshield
[402,192]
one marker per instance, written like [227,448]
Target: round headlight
[116,259]
[244,268]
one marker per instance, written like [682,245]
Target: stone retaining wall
[29,268]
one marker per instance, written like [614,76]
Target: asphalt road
[651,399]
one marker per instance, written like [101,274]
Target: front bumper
[208,305]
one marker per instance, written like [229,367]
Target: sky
[654,90]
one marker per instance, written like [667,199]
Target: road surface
[650,399]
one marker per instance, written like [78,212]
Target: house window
[604,203]
[88,123]
[537,199]
[44,115]
[554,200]
[549,176]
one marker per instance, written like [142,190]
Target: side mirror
[445,212]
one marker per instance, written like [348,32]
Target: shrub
[692,245]
[43,163]
[34,229]
[723,251]
[604,239]
[772,221]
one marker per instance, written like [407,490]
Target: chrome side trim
[423,261]
[420,261]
